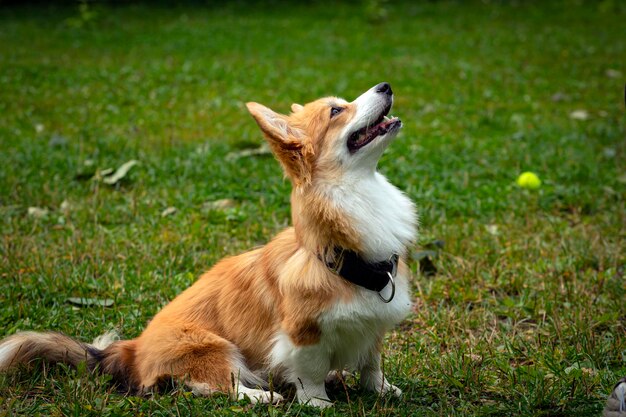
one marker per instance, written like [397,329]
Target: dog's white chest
[350,333]
[351,329]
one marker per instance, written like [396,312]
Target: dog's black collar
[373,276]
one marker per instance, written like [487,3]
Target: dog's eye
[334,111]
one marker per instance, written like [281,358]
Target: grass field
[526,314]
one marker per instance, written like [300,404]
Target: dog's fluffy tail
[106,354]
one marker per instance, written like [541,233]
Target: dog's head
[330,137]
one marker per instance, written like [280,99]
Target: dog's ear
[295,107]
[274,125]
[287,142]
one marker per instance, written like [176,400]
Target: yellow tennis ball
[529,180]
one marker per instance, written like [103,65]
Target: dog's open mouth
[380,127]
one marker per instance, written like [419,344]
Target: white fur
[103,341]
[244,374]
[258,395]
[386,222]
[384,217]
[8,350]
[620,393]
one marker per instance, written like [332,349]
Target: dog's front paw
[385,389]
[319,403]
[391,389]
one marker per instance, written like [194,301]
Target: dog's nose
[384,88]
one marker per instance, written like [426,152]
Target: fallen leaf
[573,369]
[426,256]
[473,357]
[418,256]
[427,267]
[65,206]
[90,302]
[519,135]
[38,212]
[119,173]
[57,141]
[609,152]
[517,119]
[492,229]
[425,260]
[435,244]
[559,96]
[613,73]
[264,149]
[579,115]
[222,204]
[168,211]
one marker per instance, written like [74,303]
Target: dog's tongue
[380,128]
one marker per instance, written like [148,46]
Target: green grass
[526,315]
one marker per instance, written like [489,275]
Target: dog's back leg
[204,361]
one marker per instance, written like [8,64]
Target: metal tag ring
[393,290]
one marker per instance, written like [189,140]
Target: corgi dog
[318,298]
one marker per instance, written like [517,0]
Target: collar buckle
[337,263]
